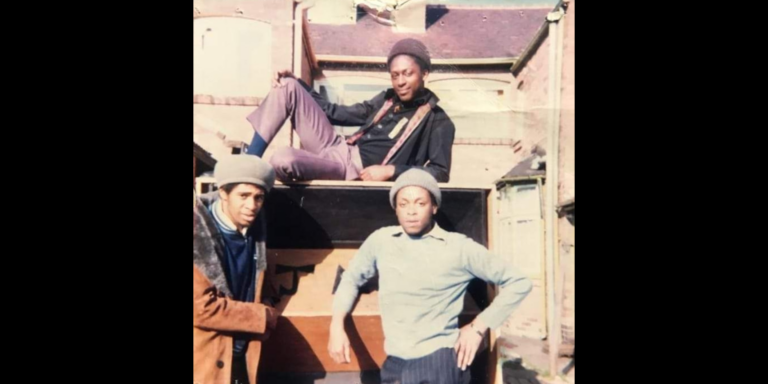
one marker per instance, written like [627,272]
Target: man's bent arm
[345,115]
[362,268]
[514,285]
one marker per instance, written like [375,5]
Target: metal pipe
[552,183]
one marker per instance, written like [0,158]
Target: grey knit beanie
[250,169]
[415,177]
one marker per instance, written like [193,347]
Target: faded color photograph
[384,191]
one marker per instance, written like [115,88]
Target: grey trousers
[325,154]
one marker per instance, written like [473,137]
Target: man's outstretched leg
[291,101]
[337,162]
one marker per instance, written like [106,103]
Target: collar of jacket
[209,247]
[425,96]
[436,232]
[225,223]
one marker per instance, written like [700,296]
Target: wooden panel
[299,345]
[384,184]
[330,217]
[303,280]
[314,231]
[314,285]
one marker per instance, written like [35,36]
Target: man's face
[414,209]
[242,204]
[407,77]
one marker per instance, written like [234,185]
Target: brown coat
[216,315]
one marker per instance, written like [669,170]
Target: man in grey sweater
[423,274]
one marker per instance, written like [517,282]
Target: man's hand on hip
[470,339]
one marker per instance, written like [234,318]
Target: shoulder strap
[420,113]
[376,119]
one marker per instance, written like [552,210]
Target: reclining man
[401,128]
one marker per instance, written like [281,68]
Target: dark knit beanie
[411,47]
